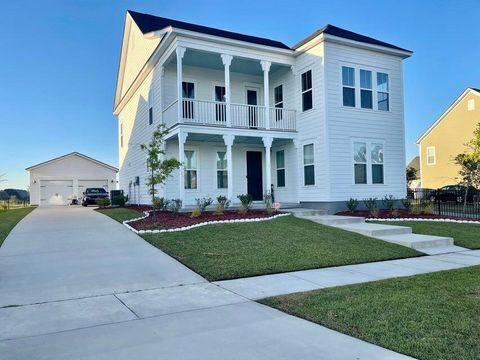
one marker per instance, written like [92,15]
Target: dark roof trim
[349,35]
[148,23]
[71,154]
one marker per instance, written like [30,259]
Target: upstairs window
[307,91]
[190,169]
[366,101]
[150,107]
[431,158]
[308,165]
[348,83]
[278,102]
[383,93]
[222,173]
[280,162]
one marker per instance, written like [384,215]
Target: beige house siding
[449,138]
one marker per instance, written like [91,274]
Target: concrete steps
[332,220]
[303,212]
[376,230]
[418,241]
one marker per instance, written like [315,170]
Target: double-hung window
[431,160]
[307,91]
[366,101]
[383,94]
[348,85]
[190,169]
[368,162]
[280,162]
[278,102]
[308,165]
[150,107]
[222,173]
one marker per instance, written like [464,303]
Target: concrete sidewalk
[259,287]
[76,284]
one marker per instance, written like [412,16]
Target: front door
[254,175]
[252,101]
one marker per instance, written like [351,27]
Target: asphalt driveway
[76,284]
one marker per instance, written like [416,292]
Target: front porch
[230,162]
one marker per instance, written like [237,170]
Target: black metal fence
[451,201]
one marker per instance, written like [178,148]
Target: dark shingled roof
[477,90]
[148,23]
[346,34]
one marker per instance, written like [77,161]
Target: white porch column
[228,139]
[267,142]
[266,91]
[180,52]
[182,138]
[227,61]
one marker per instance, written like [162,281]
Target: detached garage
[58,181]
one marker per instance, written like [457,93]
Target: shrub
[203,203]
[407,203]
[269,202]
[223,204]
[395,213]
[120,200]
[370,203]
[245,202]
[160,203]
[196,213]
[427,209]
[102,202]
[375,213]
[175,205]
[389,202]
[352,204]
[416,209]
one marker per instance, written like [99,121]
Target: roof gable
[66,156]
[451,107]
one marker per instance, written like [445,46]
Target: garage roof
[69,155]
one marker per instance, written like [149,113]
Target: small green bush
[161,203]
[352,204]
[203,203]
[102,202]
[196,213]
[407,204]
[175,205]
[389,202]
[245,202]
[222,204]
[370,203]
[120,200]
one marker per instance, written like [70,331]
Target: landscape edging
[424,219]
[184,228]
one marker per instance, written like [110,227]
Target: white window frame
[383,92]
[150,107]
[354,87]
[434,155]
[365,89]
[217,169]
[304,71]
[197,155]
[369,162]
[309,164]
[281,168]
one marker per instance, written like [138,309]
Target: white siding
[344,124]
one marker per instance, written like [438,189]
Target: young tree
[411,174]
[160,170]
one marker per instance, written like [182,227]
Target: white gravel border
[423,219]
[140,232]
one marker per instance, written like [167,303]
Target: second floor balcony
[217,113]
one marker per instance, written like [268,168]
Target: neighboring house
[58,181]
[447,138]
[318,122]
[415,164]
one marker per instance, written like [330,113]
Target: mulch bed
[401,213]
[169,220]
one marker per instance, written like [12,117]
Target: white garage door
[56,192]
[84,184]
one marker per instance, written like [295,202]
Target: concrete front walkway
[76,284]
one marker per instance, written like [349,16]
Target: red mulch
[169,220]
[402,213]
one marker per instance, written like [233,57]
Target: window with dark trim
[280,163]
[307,91]
[308,165]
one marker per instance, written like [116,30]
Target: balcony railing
[214,113]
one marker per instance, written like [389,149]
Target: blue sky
[59,61]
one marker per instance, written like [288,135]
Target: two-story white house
[317,123]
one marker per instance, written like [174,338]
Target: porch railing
[214,113]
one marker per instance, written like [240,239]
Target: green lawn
[10,218]
[121,214]
[431,316]
[230,251]
[465,235]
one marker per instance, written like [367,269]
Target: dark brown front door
[254,175]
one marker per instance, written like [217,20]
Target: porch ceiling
[213,61]
[244,140]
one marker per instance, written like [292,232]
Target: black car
[91,195]
[455,193]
